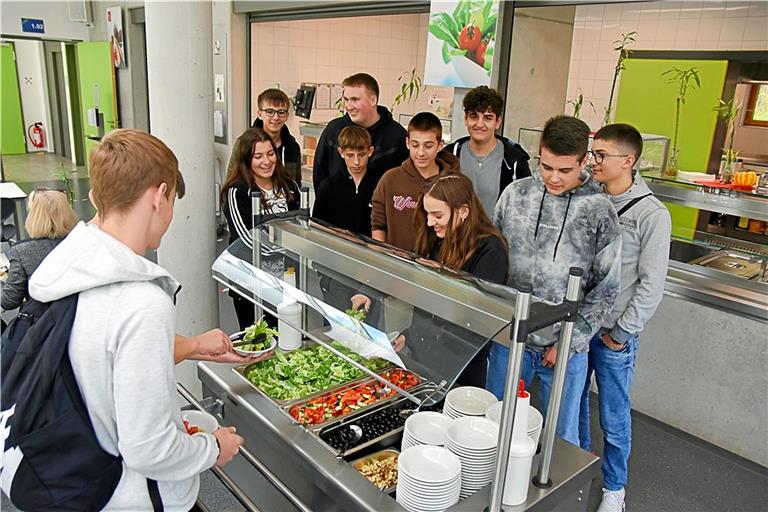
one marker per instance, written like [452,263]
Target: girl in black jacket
[454,230]
[256,168]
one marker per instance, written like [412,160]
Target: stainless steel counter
[304,475]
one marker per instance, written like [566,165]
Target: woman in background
[50,219]
[256,168]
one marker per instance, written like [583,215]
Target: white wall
[30,66]
[748,140]
[708,25]
[54,13]
[328,50]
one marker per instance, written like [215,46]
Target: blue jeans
[568,422]
[613,372]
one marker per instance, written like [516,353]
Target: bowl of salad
[197,422]
[256,340]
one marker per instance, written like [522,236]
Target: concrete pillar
[179,53]
[538,69]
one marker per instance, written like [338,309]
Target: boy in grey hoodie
[645,232]
[556,219]
[122,342]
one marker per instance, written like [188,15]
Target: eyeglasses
[599,157]
[270,112]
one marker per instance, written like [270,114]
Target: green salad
[357,314]
[262,335]
[306,371]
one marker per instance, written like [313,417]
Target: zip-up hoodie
[396,197]
[645,235]
[387,138]
[289,151]
[346,205]
[513,167]
[121,349]
[548,234]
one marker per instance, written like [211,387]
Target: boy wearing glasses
[556,219]
[645,232]
[274,108]
[491,161]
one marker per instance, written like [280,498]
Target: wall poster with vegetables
[460,43]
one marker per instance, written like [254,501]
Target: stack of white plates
[467,401]
[474,440]
[425,427]
[428,478]
[535,419]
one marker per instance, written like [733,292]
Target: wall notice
[116,38]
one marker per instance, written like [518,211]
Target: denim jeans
[613,372]
[568,422]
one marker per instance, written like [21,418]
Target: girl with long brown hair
[454,230]
[256,168]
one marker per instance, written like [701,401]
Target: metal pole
[509,409]
[561,364]
[256,215]
[303,264]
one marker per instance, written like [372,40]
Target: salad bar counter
[324,423]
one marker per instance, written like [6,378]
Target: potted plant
[411,86]
[728,112]
[686,81]
[578,104]
[621,46]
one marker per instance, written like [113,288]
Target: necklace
[481,159]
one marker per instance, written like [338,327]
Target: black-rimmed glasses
[599,157]
[271,112]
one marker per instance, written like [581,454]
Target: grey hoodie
[121,350]
[645,234]
[548,234]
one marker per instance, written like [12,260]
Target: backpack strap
[154,495]
[632,203]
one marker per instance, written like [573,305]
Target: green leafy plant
[357,314]
[686,80]
[66,180]
[728,112]
[260,334]
[621,46]
[578,104]
[411,86]
[470,31]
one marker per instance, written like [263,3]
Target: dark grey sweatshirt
[548,234]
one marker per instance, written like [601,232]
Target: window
[757,111]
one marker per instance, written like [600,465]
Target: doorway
[54,63]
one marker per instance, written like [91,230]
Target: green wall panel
[97,78]
[646,100]
[12,139]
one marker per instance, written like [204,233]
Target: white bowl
[429,463]
[256,353]
[204,421]
[470,400]
[474,433]
[535,419]
[428,427]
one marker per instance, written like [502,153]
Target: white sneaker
[613,501]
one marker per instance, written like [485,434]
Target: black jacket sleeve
[490,262]
[14,289]
[238,213]
[321,208]
[522,169]
[322,162]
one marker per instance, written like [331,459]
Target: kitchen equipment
[383,456]
[404,413]
[735,264]
[535,419]
[429,478]
[474,440]
[426,427]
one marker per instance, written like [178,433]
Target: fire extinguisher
[36,135]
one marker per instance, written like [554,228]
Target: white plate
[535,419]
[206,422]
[470,400]
[427,427]
[473,433]
[431,464]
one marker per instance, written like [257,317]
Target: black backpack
[50,446]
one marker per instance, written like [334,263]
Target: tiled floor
[669,471]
